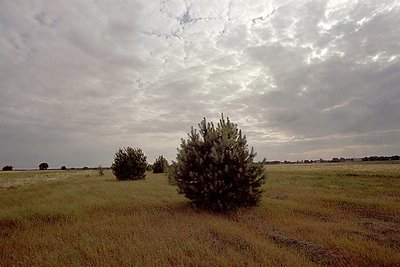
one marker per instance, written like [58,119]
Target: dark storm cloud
[302,78]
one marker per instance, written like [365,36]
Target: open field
[330,214]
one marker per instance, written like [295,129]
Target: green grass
[338,214]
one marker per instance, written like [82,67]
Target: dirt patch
[391,241]
[50,218]
[315,215]
[371,211]
[224,240]
[313,251]
[380,226]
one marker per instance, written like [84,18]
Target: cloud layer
[303,79]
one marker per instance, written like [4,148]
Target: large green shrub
[129,164]
[215,168]
[160,165]
[43,166]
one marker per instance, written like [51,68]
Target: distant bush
[149,167]
[129,164]
[216,170]
[100,171]
[8,168]
[85,168]
[170,172]
[159,164]
[63,168]
[43,166]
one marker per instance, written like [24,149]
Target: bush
[159,164]
[129,164]
[8,168]
[216,170]
[63,168]
[100,171]
[149,167]
[43,166]
[170,172]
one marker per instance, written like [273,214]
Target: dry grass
[329,214]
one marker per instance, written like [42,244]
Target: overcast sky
[302,79]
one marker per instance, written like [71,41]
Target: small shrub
[63,168]
[159,164]
[100,171]
[149,167]
[170,172]
[129,164]
[216,170]
[7,168]
[43,166]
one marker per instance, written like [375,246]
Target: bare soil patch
[313,251]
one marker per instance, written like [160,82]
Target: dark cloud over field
[303,79]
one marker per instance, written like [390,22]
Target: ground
[311,214]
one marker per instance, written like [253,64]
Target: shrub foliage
[100,171]
[149,167]
[160,165]
[43,166]
[129,164]
[7,168]
[170,172]
[216,170]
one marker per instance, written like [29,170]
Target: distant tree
[43,166]
[8,168]
[129,164]
[85,168]
[216,170]
[63,168]
[159,164]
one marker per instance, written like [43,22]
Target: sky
[302,79]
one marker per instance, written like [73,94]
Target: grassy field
[329,214]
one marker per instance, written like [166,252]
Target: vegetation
[63,168]
[170,173]
[43,166]
[216,170]
[160,165]
[149,167]
[129,164]
[7,168]
[381,158]
[310,215]
[100,171]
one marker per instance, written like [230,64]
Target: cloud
[302,78]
